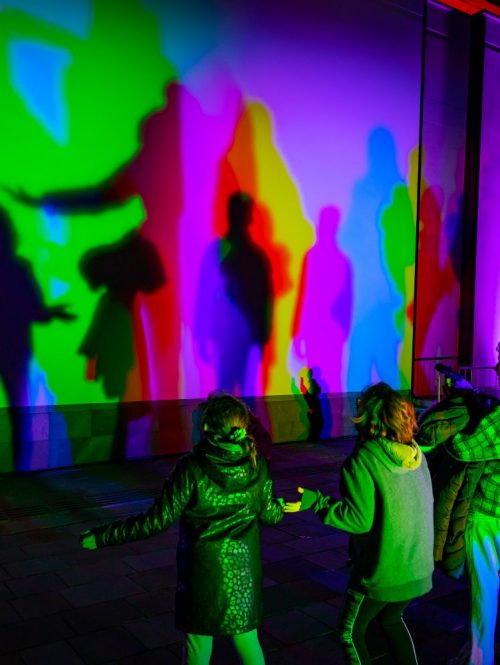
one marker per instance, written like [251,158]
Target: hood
[406,456]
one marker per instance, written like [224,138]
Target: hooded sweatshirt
[387,506]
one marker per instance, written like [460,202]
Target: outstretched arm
[165,510]
[59,312]
[353,513]
[86,200]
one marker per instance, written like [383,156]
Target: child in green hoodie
[387,506]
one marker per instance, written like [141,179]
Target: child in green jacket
[387,506]
[219,493]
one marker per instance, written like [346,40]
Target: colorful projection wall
[203,195]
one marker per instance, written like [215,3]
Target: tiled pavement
[60,604]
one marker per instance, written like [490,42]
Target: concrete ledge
[75,434]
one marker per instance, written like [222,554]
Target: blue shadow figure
[375,338]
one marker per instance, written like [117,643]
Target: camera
[453,379]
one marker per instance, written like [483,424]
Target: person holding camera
[461,436]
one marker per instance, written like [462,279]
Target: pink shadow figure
[324,308]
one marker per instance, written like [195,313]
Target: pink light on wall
[487,292]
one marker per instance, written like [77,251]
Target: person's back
[219,493]
[218,556]
[386,506]
[402,524]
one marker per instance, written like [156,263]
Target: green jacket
[461,436]
[387,506]
[482,445]
[219,499]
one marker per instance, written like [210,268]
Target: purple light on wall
[487,293]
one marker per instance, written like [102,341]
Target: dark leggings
[358,612]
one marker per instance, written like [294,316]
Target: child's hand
[87,540]
[294,506]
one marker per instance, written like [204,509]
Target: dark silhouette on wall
[124,269]
[318,410]
[21,305]
[143,176]
[153,321]
[277,218]
[235,302]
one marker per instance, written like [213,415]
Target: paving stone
[56,652]
[153,603]
[99,591]
[324,612]
[47,548]
[268,641]
[295,626]
[105,645]
[5,592]
[310,545]
[26,634]
[300,529]
[335,580]
[149,560]
[76,575]
[329,559]
[18,526]
[83,557]
[320,651]
[266,581]
[12,659]
[28,586]
[278,552]
[433,619]
[10,553]
[163,541]
[39,605]
[457,602]
[290,569]
[269,535]
[290,595]
[154,632]
[7,613]
[34,566]
[162,656]
[156,578]
[92,618]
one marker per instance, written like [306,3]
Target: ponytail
[225,420]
